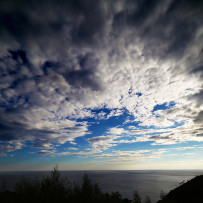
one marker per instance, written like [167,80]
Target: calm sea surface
[145,182]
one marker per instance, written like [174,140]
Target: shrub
[147,199]
[162,194]
[55,188]
[136,197]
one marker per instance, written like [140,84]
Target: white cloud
[117,131]
[101,143]
[72,148]
[130,156]
[115,113]
[12,146]
[132,71]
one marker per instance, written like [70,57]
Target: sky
[101,85]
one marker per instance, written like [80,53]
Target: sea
[146,182]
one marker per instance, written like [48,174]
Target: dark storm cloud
[30,22]
[19,56]
[82,77]
[143,10]
[51,53]
[197,69]
[167,27]
[85,76]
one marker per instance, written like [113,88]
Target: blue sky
[101,85]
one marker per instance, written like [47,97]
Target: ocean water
[149,183]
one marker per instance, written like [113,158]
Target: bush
[136,197]
[162,194]
[147,199]
[56,189]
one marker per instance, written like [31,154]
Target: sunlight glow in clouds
[101,83]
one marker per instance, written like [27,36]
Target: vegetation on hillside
[186,192]
[56,189]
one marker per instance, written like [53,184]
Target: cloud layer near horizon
[63,61]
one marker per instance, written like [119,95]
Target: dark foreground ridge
[57,189]
[189,192]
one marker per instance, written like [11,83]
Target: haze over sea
[146,182]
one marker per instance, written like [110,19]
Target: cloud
[116,112]
[10,147]
[40,127]
[72,148]
[184,148]
[46,152]
[199,118]
[117,131]
[129,156]
[101,143]
[61,61]
[117,156]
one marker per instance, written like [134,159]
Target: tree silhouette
[54,188]
[136,197]
[162,194]
[147,199]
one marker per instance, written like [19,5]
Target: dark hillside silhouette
[189,192]
[57,189]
